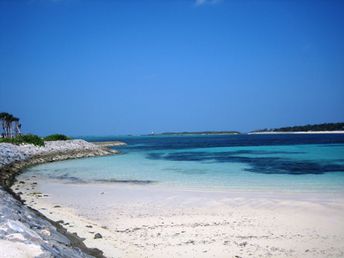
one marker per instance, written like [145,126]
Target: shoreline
[51,238]
[147,221]
[315,196]
[9,172]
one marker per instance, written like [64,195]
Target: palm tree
[2,118]
[17,126]
[6,124]
[7,120]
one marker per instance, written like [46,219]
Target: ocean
[293,162]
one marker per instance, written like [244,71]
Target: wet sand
[154,221]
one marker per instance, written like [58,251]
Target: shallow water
[300,163]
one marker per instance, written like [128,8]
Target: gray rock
[98,235]
[20,223]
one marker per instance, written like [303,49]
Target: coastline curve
[23,225]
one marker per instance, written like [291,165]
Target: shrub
[30,138]
[56,137]
[9,140]
[27,138]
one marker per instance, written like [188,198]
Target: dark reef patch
[264,165]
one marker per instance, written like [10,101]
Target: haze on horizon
[132,67]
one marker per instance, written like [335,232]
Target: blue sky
[104,67]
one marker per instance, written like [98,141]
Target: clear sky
[84,67]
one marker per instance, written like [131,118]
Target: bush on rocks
[27,138]
[56,137]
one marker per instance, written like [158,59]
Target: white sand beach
[151,221]
[300,132]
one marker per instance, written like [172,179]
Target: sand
[156,221]
[300,132]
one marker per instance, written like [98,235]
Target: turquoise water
[297,163]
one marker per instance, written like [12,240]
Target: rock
[20,225]
[59,150]
[45,232]
[243,244]
[96,236]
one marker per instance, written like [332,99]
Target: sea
[283,162]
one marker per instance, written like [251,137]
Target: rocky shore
[25,232]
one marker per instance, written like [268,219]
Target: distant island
[325,127]
[197,133]
[310,128]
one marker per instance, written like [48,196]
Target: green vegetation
[34,139]
[11,132]
[27,138]
[308,128]
[56,137]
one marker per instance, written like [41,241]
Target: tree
[6,120]
[10,125]
[3,123]
[9,119]
[17,126]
